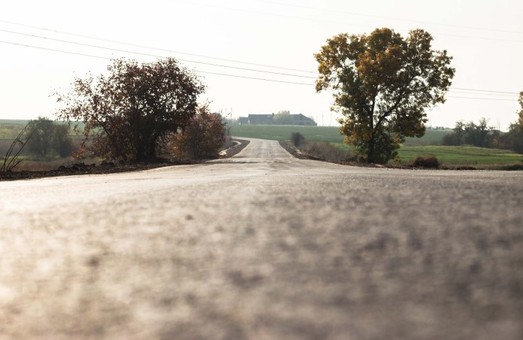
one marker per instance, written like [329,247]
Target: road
[263,246]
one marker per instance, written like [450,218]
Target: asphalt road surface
[263,246]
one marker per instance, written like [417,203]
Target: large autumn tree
[383,84]
[129,111]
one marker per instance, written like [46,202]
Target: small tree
[202,138]
[41,142]
[62,142]
[473,134]
[459,132]
[283,118]
[128,112]
[382,84]
[297,139]
[514,137]
[48,138]
[477,135]
[520,113]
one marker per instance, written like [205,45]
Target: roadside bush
[297,139]
[451,139]
[480,134]
[429,162]
[326,152]
[62,142]
[202,138]
[514,138]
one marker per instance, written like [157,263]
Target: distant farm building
[260,119]
[264,119]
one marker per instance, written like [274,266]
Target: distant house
[300,119]
[261,119]
[268,119]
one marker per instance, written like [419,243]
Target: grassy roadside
[66,167]
[457,157]
[56,166]
[462,155]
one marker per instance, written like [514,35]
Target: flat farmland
[469,155]
[329,134]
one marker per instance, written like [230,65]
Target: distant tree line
[485,136]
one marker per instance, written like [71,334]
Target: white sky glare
[45,44]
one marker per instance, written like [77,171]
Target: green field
[431,137]
[9,129]
[328,134]
[461,155]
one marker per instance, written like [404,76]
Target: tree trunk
[371,157]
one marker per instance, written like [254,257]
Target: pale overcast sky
[45,44]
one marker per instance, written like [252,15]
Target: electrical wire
[366,15]
[255,78]
[53,49]
[485,91]
[336,11]
[107,58]
[454,89]
[155,48]
[153,55]
[479,98]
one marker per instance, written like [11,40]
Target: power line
[199,71]
[53,50]
[255,78]
[459,89]
[232,75]
[479,94]
[484,91]
[364,15]
[388,18]
[155,48]
[479,98]
[153,55]
[184,60]
[210,64]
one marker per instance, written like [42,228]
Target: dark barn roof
[268,119]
